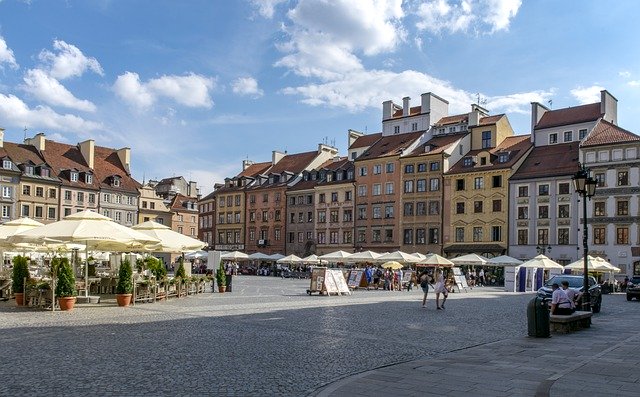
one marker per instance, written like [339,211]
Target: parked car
[633,288]
[577,283]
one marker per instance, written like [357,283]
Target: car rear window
[574,282]
[635,280]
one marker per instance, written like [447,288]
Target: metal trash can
[538,318]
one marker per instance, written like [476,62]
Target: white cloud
[68,61]
[634,83]
[266,8]
[17,113]
[325,35]
[191,90]
[6,55]
[624,74]
[587,94]
[479,16]
[247,86]
[49,90]
[518,102]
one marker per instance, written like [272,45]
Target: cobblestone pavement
[267,337]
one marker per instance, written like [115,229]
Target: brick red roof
[304,185]
[21,154]
[455,119]
[412,111]
[516,145]
[490,120]
[106,164]
[334,163]
[437,144]
[177,204]
[567,116]
[62,157]
[390,145]
[606,133]
[549,161]
[255,169]
[295,163]
[366,140]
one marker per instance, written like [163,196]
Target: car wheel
[629,297]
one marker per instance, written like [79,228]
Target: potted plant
[65,284]
[221,278]
[18,276]
[124,288]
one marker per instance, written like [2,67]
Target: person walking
[424,284]
[440,288]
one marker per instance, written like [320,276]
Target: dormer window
[74,176]
[330,177]
[116,181]
[44,172]
[467,162]
[7,164]
[503,157]
[28,170]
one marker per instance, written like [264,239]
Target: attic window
[44,172]
[503,157]
[88,179]
[74,176]
[7,164]
[467,162]
[28,170]
[116,181]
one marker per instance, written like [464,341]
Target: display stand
[328,281]
[460,280]
[357,279]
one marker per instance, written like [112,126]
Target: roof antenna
[25,133]
[550,102]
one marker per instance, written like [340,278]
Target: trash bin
[538,318]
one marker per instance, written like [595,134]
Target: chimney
[609,107]
[37,141]
[87,149]
[124,155]
[1,137]
[433,105]
[276,156]
[192,189]
[537,110]
[246,164]
[387,110]
[477,112]
[353,135]
[406,102]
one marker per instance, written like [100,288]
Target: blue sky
[195,87]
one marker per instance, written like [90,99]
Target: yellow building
[476,189]
[152,207]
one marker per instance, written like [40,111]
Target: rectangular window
[362,171]
[568,136]
[523,237]
[459,234]
[600,178]
[39,212]
[376,236]
[334,216]
[390,168]
[408,186]
[434,184]
[376,189]
[362,190]
[388,235]
[347,216]
[80,196]
[421,208]
[422,167]
[362,213]
[563,211]
[434,207]
[478,182]
[421,236]
[623,178]
[459,184]
[388,187]
[486,139]
[523,212]
[322,198]
[622,207]
[434,235]
[362,236]
[265,217]
[277,233]
[434,166]
[377,212]
[347,237]
[543,236]
[543,212]
[396,129]
[6,191]
[408,236]
[414,126]
[599,235]
[563,236]
[388,211]
[497,205]
[39,191]
[523,191]
[599,208]
[543,190]
[460,207]
[477,234]
[477,207]
[622,235]
[496,233]
[6,211]
[553,138]
[334,197]
[563,188]
[408,169]
[496,181]
[582,133]
[67,212]
[421,185]
[408,209]
[322,216]
[333,237]
[26,190]
[377,169]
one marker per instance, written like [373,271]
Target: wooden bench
[568,323]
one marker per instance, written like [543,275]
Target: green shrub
[20,272]
[125,284]
[221,276]
[156,267]
[66,284]
[181,272]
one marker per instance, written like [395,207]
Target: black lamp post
[585,186]
[543,250]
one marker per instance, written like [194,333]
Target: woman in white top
[440,289]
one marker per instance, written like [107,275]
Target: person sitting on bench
[560,303]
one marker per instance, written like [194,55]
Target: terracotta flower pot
[124,300]
[67,303]
[222,288]
[19,298]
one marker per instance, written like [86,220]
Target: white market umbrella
[336,256]
[10,228]
[95,231]
[399,256]
[435,260]
[290,259]
[234,256]
[364,256]
[419,255]
[275,257]
[196,255]
[170,241]
[259,256]
[504,260]
[313,259]
[470,259]
[593,264]
[541,262]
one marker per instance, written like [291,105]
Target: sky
[195,87]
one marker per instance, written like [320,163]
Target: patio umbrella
[336,256]
[196,255]
[291,259]
[399,256]
[170,241]
[541,262]
[235,256]
[593,264]
[313,259]
[504,260]
[435,260]
[275,257]
[364,256]
[10,228]
[95,231]
[470,259]
[258,256]
[394,265]
[419,255]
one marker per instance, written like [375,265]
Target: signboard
[213,259]
[460,279]
[355,278]
[338,281]
[330,284]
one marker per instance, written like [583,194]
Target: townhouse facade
[152,207]
[119,194]
[9,184]
[207,220]
[301,215]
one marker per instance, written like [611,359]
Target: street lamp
[585,186]
[543,250]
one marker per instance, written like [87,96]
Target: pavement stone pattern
[268,337]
